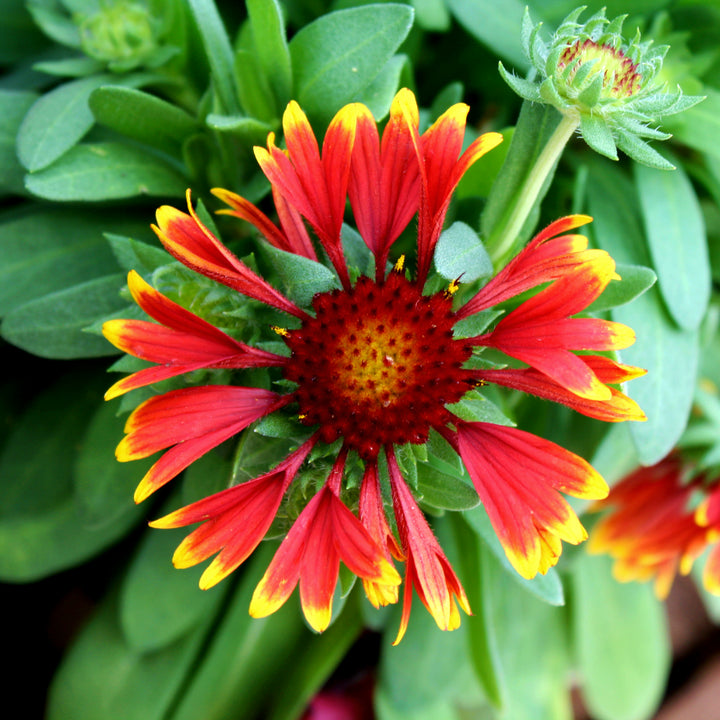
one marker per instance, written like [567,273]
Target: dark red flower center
[377,364]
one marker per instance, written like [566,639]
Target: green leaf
[699,127]
[495,25]
[106,171]
[14,104]
[432,15]
[51,326]
[135,255]
[531,642]
[379,94]
[45,249]
[357,253]
[103,486]
[44,527]
[670,357]
[428,666]
[255,94]
[669,354]
[443,491]
[640,151]
[56,122]
[248,129]
[101,676]
[302,278]
[634,281]
[481,635]
[159,603]
[246,659]
[80,66]
[55,22]
[218,51]
[342,52]
[142,116]
[547,588]
[621,642]
[312,666]
[271,48]
[46,436]
[475,407]
[615,456]
[460,254]
[675,231]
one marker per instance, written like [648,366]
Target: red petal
[189,241]
[181,415]
[517,476]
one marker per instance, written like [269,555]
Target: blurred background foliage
[109,108]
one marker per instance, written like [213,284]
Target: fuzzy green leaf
[668,353]
[635,280]
[340,53]
[271,48]
[302,278]
[219,52]
[640,151]
[675,231]
[379,94]
[141,116]
[495,25]
[14,104]
[106,171]
[524,88]
[621,642]
[52,325]
[56,122]
[460,254]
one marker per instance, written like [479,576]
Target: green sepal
[524,88]
[598,136]
[461,255]
[301,277]
[640,151]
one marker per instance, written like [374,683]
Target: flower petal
[189,241]
[545,258]
[517,476]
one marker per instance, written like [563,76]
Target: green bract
[612,88]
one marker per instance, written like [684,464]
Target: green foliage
[339,55]
[110,109]
[621,643]
[666,392]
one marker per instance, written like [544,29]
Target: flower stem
[528,195]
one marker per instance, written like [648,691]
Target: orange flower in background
[652,530]
[369,367]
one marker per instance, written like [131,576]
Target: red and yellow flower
[369,367]
[653,531]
